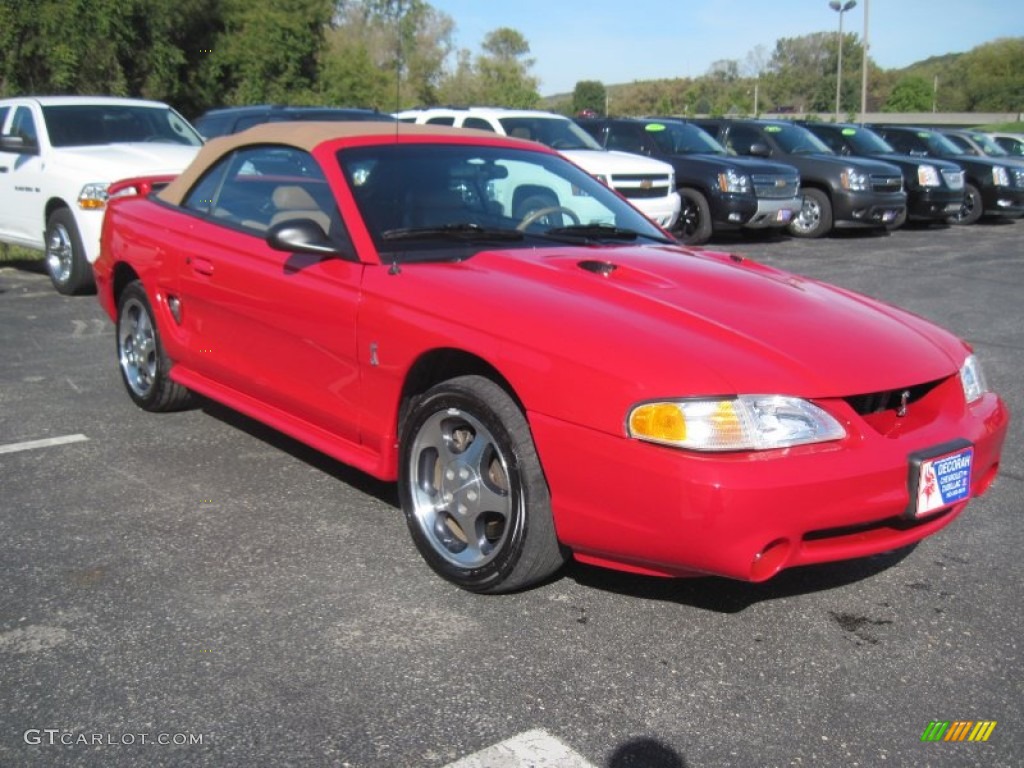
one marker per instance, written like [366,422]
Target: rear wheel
[69,269]
[693,226]
[971,209]
[140,355]
[815,216]
[473,491]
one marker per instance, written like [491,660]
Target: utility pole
[864,68]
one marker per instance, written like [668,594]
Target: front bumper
[933,204]
[1003,201]
[749,212]
[867,209]
[663,211]
[629,505]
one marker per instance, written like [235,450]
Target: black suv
[935,188]
[220,122]
[837,191]
[991,187]
[718,191]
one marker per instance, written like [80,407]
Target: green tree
[589,94]
[910,94]
[994,76]
[504,72]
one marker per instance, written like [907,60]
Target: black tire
[140,355]
[66,264]
[473,491]
[693,226]
[971,209]
[815,216]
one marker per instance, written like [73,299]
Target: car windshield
[683,139]
[796,140]
[865,142]
[938,144]
[555,132]
[427,201]
[80,125]
[988,146]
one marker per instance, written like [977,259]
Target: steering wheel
[533,216]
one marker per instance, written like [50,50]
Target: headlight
[93,196]
[856,182]
[973,379]
[736,183]
[1000,176]
[743,423]
[928,176]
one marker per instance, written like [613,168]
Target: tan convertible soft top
[303,135]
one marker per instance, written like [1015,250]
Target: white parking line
[28,445]
[531,749]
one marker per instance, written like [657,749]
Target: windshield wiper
[464,231]
[578,232]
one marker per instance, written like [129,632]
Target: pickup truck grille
[1018,177]
[641,185]
[881,183]
[770,186]
[953,179]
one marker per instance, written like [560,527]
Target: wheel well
[823,188]
[525,191]
[441,365]
[123,275]
[53,204]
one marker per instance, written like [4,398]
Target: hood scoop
[602,268]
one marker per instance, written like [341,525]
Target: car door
[277,327]
[21,180]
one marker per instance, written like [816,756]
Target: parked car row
[58,156]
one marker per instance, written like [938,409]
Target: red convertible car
[545,372]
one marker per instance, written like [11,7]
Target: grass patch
[9,253]
[1016,127]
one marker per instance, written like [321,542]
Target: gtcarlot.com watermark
[53,737]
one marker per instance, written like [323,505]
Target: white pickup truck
[58,155]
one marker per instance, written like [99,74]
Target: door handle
[201,265]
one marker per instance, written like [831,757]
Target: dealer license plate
[784,215]
[942,480]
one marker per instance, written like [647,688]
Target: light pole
[840,8]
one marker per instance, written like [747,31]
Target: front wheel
[971,209]
[693,227]
[69,269]
[815,216]
[473,490]
[144,366]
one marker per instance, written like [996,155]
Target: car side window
[479,123]
[741,138]
[257,187]
[626,138]
[24,125]
[3,116]
[441,121]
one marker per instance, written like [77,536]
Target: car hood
[111,162]
[604,161]
[863,164]
[667,321]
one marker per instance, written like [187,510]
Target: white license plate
[942,481]
[784,215]
[888,216]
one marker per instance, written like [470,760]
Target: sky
[619,41]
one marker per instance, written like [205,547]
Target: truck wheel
[69,270]
[473,490]
[693,226]
[815,217]
[140,355]
[971,209]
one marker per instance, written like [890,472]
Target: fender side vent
[603,268]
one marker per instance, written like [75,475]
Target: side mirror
[759,149]
[301,235]
[19,145]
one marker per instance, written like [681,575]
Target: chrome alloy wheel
[60,253]
[809,217]
[461,491]
[136,347]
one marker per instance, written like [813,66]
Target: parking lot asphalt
[198,579]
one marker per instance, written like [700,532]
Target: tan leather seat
[293,202]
